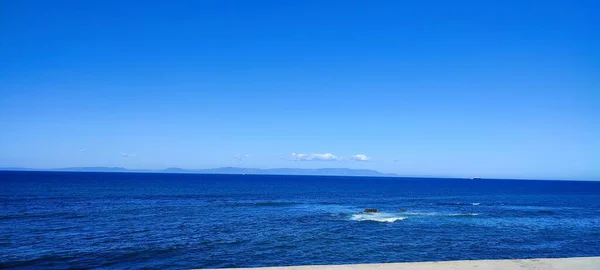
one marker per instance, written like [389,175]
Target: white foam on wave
[475,203]
[422,213]
[378,217]
[439,214]
[464,215]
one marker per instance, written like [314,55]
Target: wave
[441,214]
[534,207]
[263,204]
[62,215]
[458,203]
[463,215]
[547,212]
[377,217]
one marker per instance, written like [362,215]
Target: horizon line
[90,169]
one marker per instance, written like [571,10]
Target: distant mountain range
[227,170]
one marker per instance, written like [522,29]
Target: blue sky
[443,88]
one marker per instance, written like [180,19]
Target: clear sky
[442,88]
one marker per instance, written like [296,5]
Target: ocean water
[175,221]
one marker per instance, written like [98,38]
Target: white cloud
[241,157]
[360,157]
[314,157]
[127,155]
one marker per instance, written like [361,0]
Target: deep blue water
[128,220]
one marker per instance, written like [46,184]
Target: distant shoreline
[579,263]
[212,172]
[251,174]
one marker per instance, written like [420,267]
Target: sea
[58,220]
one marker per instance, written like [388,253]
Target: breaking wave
[441,214]
[377,217]
[393,217]
[463,215]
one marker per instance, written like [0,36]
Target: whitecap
[422,213]
[475,203]
[440,214]
[464,215]
[378,217]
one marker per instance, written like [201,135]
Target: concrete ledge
[579,263]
